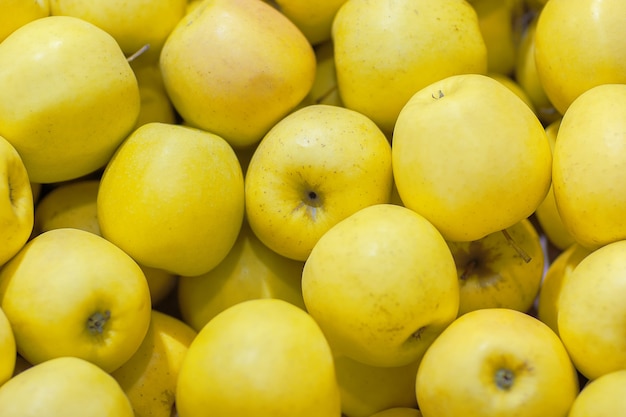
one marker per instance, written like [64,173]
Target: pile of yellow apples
[333,208]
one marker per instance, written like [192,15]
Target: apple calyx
[504,379]
[311,201]
[97,321]
[520,251]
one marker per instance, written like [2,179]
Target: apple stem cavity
[138,53]
[504,379]
[469,269]
[520,251]
[438,96]
[97,321]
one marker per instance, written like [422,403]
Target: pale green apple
[16,202]
[236,67]
[503,269]
[588,176]
[382,285]
[386,50]
[314,168]
[470,156]
[68,97]
[172,197]
[591,312]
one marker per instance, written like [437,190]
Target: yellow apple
[263,357]
[386,50]
[74,204]
[16,13]
[149,377]
[367,389]
[499,270]
[156,105]
[324,89]
[398,412]
[133,24]
[496,362]
[550,290]
[603,396]
[16,202]
[250,270]
[499,25]
[525,74]
[182,183]
[591,312]
[68,97]
[8,352]
[65,386]
[582,51]
[470,156]
[313,18]
[547,214]
[382,285]
[314,168]
[588,176]
[236,67]
[69,292]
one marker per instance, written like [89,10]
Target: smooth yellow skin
[527,77]
[183,183]
[313,18]
[66,386]
[602,397]
[475,347]
[156,105]
[514,86]
[57,282]
[588,175]
[367,389]
[591,315]
[149,377]
[16,202]
[71,204]
[16,13]
[398,412]
[548,298]
[74,204]
[324,89]
[499,22]
[493,274]
[263,357]
[68,97]
[133,24]
[387,50]
[382,285]
[582,51]
[8,349]
[470,156]
[335,153]
[236,67]
[547,214]
[250,270]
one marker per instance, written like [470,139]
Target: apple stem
[520,251]
[469,269]
[138,53]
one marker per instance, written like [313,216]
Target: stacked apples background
[357,208]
